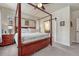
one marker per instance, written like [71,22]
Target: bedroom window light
[10,29]
[47,26]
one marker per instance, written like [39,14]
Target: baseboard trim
[59,44]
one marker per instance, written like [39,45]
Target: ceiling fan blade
[43,7]
[45,3]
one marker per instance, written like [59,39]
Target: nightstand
[7,39]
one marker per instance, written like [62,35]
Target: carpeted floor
[56,50]
[59,50]
[10,50]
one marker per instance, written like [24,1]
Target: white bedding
[30,37]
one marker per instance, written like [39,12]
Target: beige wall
[38,25]
[5,13]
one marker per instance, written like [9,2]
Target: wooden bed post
[19,29]
[51,29]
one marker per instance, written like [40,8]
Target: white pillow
[29,30]
[24,30]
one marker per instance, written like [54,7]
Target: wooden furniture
[30,48]
[7,39]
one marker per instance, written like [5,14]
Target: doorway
[77,30]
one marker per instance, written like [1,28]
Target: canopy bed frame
[30,48]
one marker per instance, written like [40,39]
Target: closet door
[0,30]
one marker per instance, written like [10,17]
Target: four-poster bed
[30,47]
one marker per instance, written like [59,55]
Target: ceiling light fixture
[39,5]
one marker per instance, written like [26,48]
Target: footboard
[29,49]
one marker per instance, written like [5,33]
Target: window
[47,26]
[10,29]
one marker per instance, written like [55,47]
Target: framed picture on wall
[62,23]
[26,23]
[10,20]
[32,23]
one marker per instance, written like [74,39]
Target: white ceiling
[75,6]
[56,6]
[35,13]
[26,9]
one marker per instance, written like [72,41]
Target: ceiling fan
[41,5]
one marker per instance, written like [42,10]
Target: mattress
[30,37]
